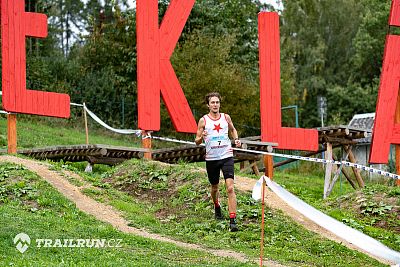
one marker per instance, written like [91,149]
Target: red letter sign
[270,91]
[386,132]
[394,17]
[155,73]
[15,25]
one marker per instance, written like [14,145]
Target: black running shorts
[214,166]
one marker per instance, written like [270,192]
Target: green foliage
[374,208]
[203,64]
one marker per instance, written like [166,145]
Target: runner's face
[214,104]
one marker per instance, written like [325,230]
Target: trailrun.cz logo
[22,242]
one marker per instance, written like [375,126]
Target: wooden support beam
[397,147]
[346,175]
[328,168]
[356,171]
[12,133]
[254,167]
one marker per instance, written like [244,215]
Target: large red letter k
[154,70]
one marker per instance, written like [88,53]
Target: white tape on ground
[345,232]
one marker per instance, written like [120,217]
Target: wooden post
[262,222]
[86,124]
[12,133]
[397,147]
[269,166]
[397,151]
[328,168]
[355,170]
[146,143]
[269,172]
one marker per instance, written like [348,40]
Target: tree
[202,63]
[319,34]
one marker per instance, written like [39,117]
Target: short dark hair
[212,94]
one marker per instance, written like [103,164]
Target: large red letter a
[154,70]
[15,25]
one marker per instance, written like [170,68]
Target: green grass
[30,205]
[41,132]
[183,210]
[34,133]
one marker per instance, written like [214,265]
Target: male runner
[214,128]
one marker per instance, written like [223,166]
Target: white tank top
[218,144]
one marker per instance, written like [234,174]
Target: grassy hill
[174,201]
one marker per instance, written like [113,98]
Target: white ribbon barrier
[324,161]
[345,232]
[102,123]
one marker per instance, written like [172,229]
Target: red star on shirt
[217,127]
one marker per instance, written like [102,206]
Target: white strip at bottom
[343,231]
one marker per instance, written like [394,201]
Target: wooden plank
[12,133]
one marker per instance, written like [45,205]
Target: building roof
[363,121]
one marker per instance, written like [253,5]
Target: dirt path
[107,213]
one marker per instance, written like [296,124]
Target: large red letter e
[15,25]
[154,70]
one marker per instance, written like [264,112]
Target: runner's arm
[200,132]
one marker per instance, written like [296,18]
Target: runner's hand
[238,143]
